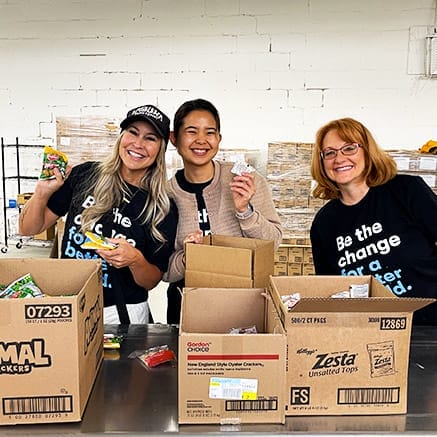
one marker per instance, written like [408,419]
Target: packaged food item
[359,290]
[53,158]
[246,330]
[111,341]
[154,356]
[240,167]
[23,287]
[290,300]
[341,294]
[95,241]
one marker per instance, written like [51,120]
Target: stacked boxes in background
[417,164]
[289,176]
[294,258]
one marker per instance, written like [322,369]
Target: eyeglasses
[347,150]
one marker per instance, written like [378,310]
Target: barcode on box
[38,404]
[363,396]
[252,405]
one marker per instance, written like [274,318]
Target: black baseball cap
[152,115]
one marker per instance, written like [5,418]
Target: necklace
[128,198]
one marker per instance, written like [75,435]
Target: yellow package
[95,241]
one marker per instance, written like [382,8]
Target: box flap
[263,264]
[71,275]
[210,280]
[375,304]
[227,260]
[217,310]
[320,285]
[237,242]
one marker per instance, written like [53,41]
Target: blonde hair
[108,189]
[379,166]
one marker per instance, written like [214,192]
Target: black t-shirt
[173,290]
[123,222]
[197,189]
[390,234]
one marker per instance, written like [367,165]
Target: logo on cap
[148,111]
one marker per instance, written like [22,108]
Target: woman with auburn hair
[123,199]
[377,222]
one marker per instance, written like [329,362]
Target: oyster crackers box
[345,355]
[50,347]
[225,377]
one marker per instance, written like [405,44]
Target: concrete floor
[34,249]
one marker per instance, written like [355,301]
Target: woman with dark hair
[377,222]
[125,198]
[209,197]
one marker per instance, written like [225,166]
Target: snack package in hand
[95,241]
[240,167]
[53,158]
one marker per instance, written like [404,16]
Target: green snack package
[53,158]
[21,288]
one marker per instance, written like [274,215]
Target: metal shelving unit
[18,177]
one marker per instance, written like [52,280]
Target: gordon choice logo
[198,346]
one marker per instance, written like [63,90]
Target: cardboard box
[22,198]
[295,254]
[48,234]
[230,378]
[280,269]
[345,356]
[229,262]
[294,269]
[52,347]
[281,255]
[308,269]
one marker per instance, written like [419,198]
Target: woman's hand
[194,237]
[243,189]
[124,255]
[46,187]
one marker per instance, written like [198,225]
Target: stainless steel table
[129,399]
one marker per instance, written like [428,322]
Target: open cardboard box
[50,347]
[229,378]
[345,355]
[229,262]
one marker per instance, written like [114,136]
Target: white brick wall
[310,60]
[277,70]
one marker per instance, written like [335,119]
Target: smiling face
[139,147]
[197,140]
[344,170]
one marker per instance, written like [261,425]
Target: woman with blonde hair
[123,199]
[377,222]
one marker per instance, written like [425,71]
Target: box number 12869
[48,311]
[393,323]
